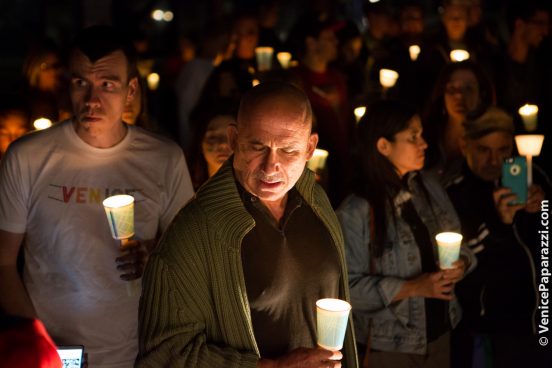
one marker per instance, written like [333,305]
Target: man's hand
[535,196]
[133,259]
[502,197]
[305,358]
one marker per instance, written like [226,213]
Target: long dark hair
[377,179]
[435,115]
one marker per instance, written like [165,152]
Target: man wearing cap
[498,298]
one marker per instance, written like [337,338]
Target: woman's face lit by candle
[461,94]
[215,147]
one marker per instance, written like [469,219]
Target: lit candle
[529,116]
[318,160]
[42,123]
[529,145]
[459,55]
[388,77]
[414,51]
[153,81]
[448,246]
[255,82]
[359,112]
[264,58]
[284,58]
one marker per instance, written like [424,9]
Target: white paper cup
[331,321]
[448,245]
[264,58]
[120,215]
[528,114]
[388,77]
[284,58]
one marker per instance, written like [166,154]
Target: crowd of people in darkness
[417,105]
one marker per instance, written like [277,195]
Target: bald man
[235,279]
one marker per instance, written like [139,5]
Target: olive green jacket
[194,310]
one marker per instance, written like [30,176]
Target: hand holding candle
[120,216]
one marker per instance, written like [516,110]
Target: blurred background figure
[136,111]
[46,87]
[462,89]
[234,76]
[210,144]
[214,47]
[269,16]
[316,47]
[14,121]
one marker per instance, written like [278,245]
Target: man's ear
[311,145]
[383,146]
[132,89]
[232,133]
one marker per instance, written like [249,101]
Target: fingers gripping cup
[331,321]
[448,245]
[120,216]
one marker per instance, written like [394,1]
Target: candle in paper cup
[331,322]
[388,77]
[529,144]
[459,55]
[264,58]
[359,112]
[284,58]
[153,81]
[448,245]
[414,51]
[529,116]
[318,160]
[120,215]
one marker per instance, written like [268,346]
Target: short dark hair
[99,41]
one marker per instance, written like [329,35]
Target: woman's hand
[433,285]
[456,273]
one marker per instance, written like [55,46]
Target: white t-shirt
[52,185]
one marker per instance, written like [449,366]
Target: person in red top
[327,92]
[24,343]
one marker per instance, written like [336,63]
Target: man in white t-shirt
[52,184]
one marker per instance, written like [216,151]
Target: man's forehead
[114,62]
[495,140]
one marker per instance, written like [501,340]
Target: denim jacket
[395,326]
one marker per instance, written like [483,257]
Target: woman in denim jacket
[403,304]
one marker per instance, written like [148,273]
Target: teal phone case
[514,176]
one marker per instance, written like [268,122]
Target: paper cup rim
[346,305]
[124,198]
[449,237]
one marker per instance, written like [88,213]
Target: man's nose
[92,98]
[271,162]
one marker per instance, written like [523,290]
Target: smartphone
[71,356]
[514,176]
